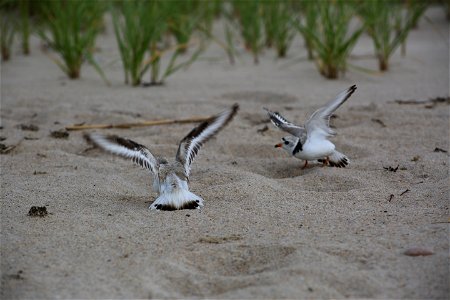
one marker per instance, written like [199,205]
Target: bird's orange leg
[304,166]
[326,161]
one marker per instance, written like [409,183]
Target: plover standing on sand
[310,142]
[170,179]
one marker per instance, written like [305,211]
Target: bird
[170,178]
[310,142]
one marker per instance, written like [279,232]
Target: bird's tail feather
[337,159]
[177,199]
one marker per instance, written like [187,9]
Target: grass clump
[229,26]
[184,18]
[249,15]
[136,29]
[309,14]
[330,37]
[158,77]
[388,24]
[279,31]
[24,8]
[141,49]
[70,29]
[8,27]
[7,31]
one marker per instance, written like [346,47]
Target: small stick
[137,124]
[379,122]
[411,101]
[404,192]
[448,221]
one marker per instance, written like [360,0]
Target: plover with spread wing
[170,179]
[310,142]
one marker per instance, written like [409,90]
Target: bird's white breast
[316,149]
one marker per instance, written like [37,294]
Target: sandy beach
[268,229]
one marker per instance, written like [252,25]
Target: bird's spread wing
[319,122]
[280,122]
[191,143]
[126,148]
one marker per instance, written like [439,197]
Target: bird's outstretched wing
[280,122]
[125,148]
[319,122]
[191,143]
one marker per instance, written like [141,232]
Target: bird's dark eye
[286,142]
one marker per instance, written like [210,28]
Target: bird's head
[288,143]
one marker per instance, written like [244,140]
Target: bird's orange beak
[278,145]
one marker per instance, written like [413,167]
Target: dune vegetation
[160,38]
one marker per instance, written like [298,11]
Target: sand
[268,229]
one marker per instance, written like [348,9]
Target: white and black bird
[170,179]
[310,142]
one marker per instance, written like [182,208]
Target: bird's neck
[298,147]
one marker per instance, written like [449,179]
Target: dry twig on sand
[431,102]
[137,124]
[404,192]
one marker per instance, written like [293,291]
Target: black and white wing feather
[191,143]
[138,153]
[319,122]
[280,122]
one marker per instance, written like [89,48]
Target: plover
[170,179]
[310,142]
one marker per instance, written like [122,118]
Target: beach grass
[25,28]
[251,26]
[229,26]
[330,37]
[7,32]
[388,24]
[8,27]
[158,72]
[184,18]
[142,50]
[147,31]
[308,13]
[279,32]
[136,27]
[70,29]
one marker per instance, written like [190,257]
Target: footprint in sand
[216,266]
